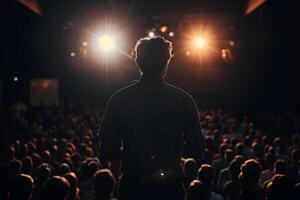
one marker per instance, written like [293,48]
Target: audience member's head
[280,166]
[190,167]
[57,187]
[15,167]
[73,180]
[43,173]
[269,160]
[104,183]
[280,188]
[235,168]
[206,174]
[27,165]
[153,55]
[229,155]
[197,190]
[21,187]
[250,172]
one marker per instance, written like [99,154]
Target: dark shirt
[147,124]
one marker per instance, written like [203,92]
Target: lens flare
[200,43]
[106,43]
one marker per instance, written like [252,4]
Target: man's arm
[194,141]
[109,135]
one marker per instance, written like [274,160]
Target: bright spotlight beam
[107,43]
[200,43]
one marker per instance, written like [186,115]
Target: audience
[55,157]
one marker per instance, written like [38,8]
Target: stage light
[15,79]
[106,43]
[171,34]
[84,43]
[200,42]
[163,29]
[151,34]
[231,43]
[187,53]
[72,54]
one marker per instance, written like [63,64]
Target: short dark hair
[21,187]
[152,54]
[280,187]
[251,170]
[197,190]
[206,174]
[104,183]
[57,187]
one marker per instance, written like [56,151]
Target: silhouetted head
[73,180]
[21,187]
[197,190]
[57,187]
[206,174]
[15,167]
[153,55]
[250,172]
[104,183]
[43,172]
[27,165]
[281,187]
[280,166]
[235,168]
[190,167]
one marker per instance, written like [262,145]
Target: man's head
[250,172]
[206,174]
[153,55]
[21,187]
[57,187]
[104,183]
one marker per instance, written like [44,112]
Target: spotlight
[72,54]
[171,34]
[15,79]
[84,43]
[231,43]
[163,29]
[106,43]
[151,34]
[200,43]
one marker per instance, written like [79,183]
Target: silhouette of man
[147,124]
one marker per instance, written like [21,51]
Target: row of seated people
[55,157]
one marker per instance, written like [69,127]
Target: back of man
[154,121]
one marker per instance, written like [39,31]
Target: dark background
[263,76]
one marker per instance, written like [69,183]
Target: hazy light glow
[84,43]
[200,42]
[151,34]
[15,79]
[72,54]
[163,29]
[171,34]
[107,43]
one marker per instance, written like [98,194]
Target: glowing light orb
[200,43]
[151,34]
[171,34]
[163,29]
[106,43]
[15,79]
[72,54]
[84,43]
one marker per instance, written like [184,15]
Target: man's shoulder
[119,94]
[178,91]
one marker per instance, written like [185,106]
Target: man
[146,125]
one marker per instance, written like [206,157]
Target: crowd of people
[54,156]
